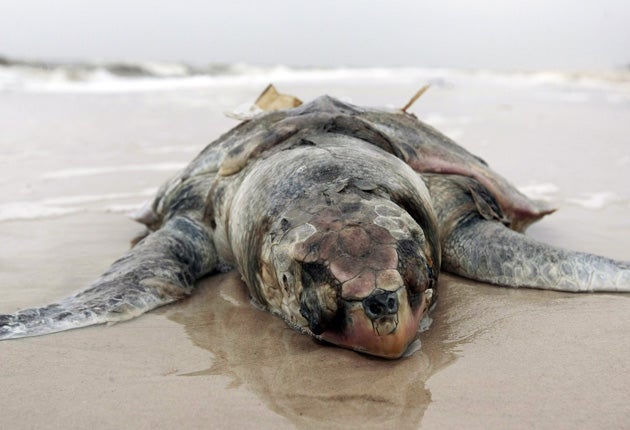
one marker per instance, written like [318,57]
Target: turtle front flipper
[477,243]
[488,251]
[160,269]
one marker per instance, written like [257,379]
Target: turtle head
[354,272]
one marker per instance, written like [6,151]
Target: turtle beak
[382,309]
[382,324]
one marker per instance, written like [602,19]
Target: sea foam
[545,191]
[596,200]
[101,170]
[67,205]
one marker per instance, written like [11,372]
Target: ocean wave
[15,211]
[545,192]
[103,170]
[549,192]
[42,76]
[68,205]
[598,200]
[82,71]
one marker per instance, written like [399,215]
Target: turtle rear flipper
[160,269]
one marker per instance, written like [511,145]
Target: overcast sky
[502,34]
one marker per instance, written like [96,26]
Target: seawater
[94,137]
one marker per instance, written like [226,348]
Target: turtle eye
[319,299]
[310,309]
[287,281]
[314,274]
[319,306]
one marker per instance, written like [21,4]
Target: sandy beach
[76,159]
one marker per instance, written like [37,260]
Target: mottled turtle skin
[339,219]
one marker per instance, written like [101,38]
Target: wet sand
[493,358]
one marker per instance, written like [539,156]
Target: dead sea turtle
[339,219]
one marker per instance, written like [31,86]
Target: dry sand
[494,357]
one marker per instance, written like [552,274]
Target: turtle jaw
[386,335]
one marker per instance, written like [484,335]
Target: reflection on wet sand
[309,383]
[316,385]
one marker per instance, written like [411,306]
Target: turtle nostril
[380,304]
[376,308]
